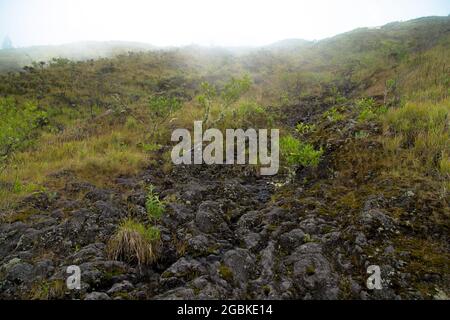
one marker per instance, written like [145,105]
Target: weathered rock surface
[222,238]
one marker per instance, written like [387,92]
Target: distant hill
[365,57]
[363,46]
[16,58]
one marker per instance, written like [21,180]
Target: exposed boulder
[210,218]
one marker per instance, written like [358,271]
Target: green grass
[334,115]
[47,290]
[18,127]
[304,128]
[100,119]
[417,139]
[295,152]
[93,158]
[155,207]
[413,118]
[225,272]
[444,166]
[369,110]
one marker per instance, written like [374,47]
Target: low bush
[154,206]
[304,128]
[17,127]
[245,115]
[296,152]
[368,110]
[334,115]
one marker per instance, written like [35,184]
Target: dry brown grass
[133,242]
[93,155]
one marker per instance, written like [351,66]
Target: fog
[204,22]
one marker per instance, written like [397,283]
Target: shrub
[133,242]
[246,115]
[161,108]
[366,115]
[336,97]
[361,135]
[284,99]
[253,115]
[154,206]
[391,94]
[304,128]
[365,103]
[206,98]
[17,126]
[131,123]
[334,115]
[210,98]
[235,88]
[297,153]
[368,110]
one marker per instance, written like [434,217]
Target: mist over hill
[416,34]
[16,58]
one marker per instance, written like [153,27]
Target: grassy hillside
[364,118]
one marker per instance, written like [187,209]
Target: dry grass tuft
[133,242]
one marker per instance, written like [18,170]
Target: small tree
[161,108]
[234,89]
[231,93]
[206,98]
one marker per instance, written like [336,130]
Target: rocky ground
[230,234]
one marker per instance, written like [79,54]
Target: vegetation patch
[297,153]
[155,207]
[18,127]
[134,242]
[226,273]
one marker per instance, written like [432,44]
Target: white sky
[206,22]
